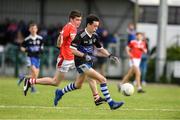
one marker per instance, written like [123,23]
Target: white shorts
[135,62]
[64,65]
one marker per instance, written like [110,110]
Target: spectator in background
[144,61]
[100,62]
[43,31]
[3,31]
[131,32]
[52,35]
[23,28]
[19,38]
[103,35]
[12,29]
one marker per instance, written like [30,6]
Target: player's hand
[87,57]
[130,55]
[26,49]
[114,58]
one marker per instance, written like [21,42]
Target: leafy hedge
[173,54]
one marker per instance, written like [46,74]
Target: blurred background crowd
[115,31]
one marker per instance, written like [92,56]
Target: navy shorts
[84,67]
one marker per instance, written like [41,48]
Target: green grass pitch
[160,102]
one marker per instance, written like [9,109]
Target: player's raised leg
[97,99]
[104,89]
[70,87]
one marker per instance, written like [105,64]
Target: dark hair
[91,18]
[139,33]
[74,13]
[32,24]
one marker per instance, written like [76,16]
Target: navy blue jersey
[85,44]
[34,45]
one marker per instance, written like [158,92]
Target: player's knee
[33,75]
[103,80]
[130,74]
[78,85]
[138,73]
[56,82]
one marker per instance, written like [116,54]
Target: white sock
[139,88]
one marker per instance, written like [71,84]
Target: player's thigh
[130,71]
[95,75]
[34,71]
[62,67]
[134,62]
[137,70]
[59,75]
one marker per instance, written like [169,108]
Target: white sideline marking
[88,108]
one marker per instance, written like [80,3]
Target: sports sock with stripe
[69,88]
[105,91]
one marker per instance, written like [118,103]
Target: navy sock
[69,88]
[105,91]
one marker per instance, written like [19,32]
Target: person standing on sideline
[144,61]
[131,32]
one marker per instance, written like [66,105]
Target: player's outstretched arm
[80,54]
[107,54]
[77,52]
[103,52]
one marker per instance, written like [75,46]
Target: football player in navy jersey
[33,47]
[83,47]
